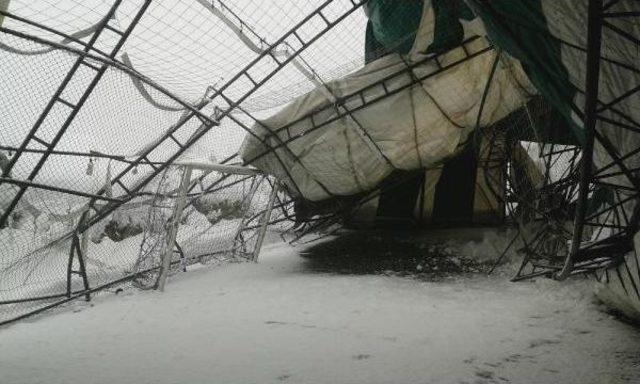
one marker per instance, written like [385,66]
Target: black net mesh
[114,111]
[107,100]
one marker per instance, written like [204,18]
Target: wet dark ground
[384,253]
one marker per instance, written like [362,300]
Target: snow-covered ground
[312,319]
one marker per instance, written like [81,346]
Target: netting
[129,130]
[105,96]
[219,224]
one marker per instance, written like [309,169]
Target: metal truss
[73,107]
[99,61]
[357,101]
[347,105]
[218,97]
[579,236]
[586,256]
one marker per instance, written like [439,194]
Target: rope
[143,91]
[67,40]
[125,59]
[303,67]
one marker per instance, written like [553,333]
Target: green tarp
[520,28]
[393,25]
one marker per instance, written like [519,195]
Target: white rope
[143,91]
[125,59]
[302,67]
[67,40]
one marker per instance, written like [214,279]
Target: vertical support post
[264,222]
[70,266]
[84,243]
[82,268]
[594,42]
[255,183]
[76,251]
[173,228]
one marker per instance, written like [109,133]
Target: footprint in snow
[540,342]
[272,322]
[484,375]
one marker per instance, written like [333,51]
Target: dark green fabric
[398,197]
[553,130]
[372,48]
[449,32]
[549,125]
[519,27]
[394,23]
[454,196]
[392,28]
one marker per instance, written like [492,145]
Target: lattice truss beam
[586,215]
[221,104]
[266,57]
[106,48]
[568,235]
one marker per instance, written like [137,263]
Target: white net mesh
[104,96]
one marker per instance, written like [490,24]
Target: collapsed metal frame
[583,256]
[359,100]
[88,55]
[168,241]
[581,179]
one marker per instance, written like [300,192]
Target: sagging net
[107,98]
[222,224]
[121,116]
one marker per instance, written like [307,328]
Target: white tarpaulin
[417,127]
